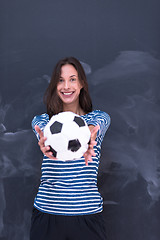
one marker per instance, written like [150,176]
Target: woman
[68,205]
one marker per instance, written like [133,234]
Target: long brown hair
[52,100]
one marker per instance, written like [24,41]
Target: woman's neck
[75,109]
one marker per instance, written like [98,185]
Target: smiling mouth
[67,93]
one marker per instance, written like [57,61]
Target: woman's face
[69,86]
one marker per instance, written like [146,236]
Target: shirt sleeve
[41,121]
[102,119]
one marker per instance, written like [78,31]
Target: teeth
[67,93]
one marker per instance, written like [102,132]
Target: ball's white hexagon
[84,134]
[70,130]
[57,141]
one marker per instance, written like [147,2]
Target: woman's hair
[51,98]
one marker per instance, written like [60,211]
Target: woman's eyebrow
[70,76]
[73,76]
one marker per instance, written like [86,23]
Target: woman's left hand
[90,152]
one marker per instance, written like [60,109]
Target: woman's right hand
[45,149]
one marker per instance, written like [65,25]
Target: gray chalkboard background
[118,43]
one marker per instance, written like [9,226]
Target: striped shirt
[70,187]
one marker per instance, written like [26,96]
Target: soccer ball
[67,135]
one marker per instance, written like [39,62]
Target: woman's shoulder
[44,117]
[98,113]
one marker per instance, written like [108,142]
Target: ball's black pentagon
[74,145]
[54,153]
[79,121]
[56,127]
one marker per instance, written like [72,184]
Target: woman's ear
[82,85]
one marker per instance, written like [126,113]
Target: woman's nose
[66,84]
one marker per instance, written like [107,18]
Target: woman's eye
[73,79]
[60,80]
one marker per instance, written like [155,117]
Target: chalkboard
[118,44]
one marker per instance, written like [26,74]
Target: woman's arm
[90,152]
[45,149]
[102,119]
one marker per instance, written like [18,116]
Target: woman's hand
[90,152]
[45,149]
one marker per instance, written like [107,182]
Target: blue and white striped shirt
[70,187]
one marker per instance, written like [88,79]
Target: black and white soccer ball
[68,136]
